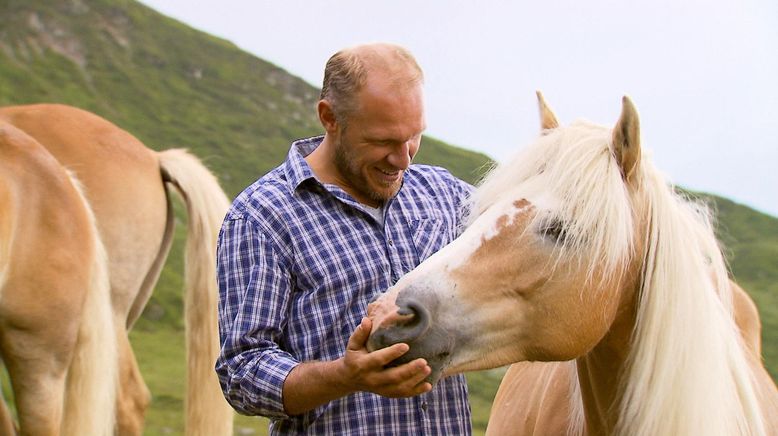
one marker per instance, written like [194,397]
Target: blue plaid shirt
[298,262]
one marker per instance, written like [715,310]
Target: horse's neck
[599,370]
[598,380]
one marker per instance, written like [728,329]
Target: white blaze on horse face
[478,273]
[453,300]
[516,288]
[433,275]
[488,226]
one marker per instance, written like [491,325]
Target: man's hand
[311,384]
[366,371]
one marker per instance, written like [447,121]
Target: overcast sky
[702,73]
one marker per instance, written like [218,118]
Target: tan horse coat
[56,325]
[542,398]
[127,187]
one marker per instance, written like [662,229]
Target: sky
[702,73]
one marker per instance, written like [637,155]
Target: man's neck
[320,160]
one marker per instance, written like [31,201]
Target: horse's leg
[134,396]
[37,368]
[7,426]
[53,281]
[38,334]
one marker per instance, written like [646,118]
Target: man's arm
[254,293]
[312,384]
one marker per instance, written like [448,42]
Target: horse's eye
[553,229]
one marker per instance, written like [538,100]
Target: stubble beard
[347,166]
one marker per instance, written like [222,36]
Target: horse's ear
[626,139]
[547,117]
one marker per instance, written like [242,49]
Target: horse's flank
[127,186]
[58,340]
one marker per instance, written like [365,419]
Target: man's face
[380,139]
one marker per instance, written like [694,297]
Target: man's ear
[327,116]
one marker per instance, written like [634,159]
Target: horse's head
[540,271]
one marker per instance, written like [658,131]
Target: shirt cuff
[264,390]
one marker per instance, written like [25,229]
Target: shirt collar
[298,171]
[297,168]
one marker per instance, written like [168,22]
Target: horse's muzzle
[411,322]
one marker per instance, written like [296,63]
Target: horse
[128,186]
[56,321]
[583,262]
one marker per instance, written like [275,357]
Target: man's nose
[401,157]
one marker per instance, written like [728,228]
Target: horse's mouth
[438,363]
[438,357]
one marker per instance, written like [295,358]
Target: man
[305,248]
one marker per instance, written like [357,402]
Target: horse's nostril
[415,322]
[411,313]
[412,322]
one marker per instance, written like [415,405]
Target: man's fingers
[421,388]
[387,355]
[358,339]
[407,380]
[418,378]
[408,374]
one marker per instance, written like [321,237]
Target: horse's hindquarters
[122,183]
[53,283]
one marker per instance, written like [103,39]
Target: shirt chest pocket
[430,233]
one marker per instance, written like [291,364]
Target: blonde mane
[570,175]
[687,372]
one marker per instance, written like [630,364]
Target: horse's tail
[91,386]
[207,412]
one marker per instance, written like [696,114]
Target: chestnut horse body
[56,326]
[126,185]
[580,254]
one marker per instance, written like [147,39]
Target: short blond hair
[347,70]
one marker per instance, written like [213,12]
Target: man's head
[373,112]
[347,71]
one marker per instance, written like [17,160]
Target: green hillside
[173,86]
[750,241]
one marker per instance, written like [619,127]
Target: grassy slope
[174,86]
[750,241]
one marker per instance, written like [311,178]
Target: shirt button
[391,243]
[424,406]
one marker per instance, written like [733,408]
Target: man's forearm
[311,384]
